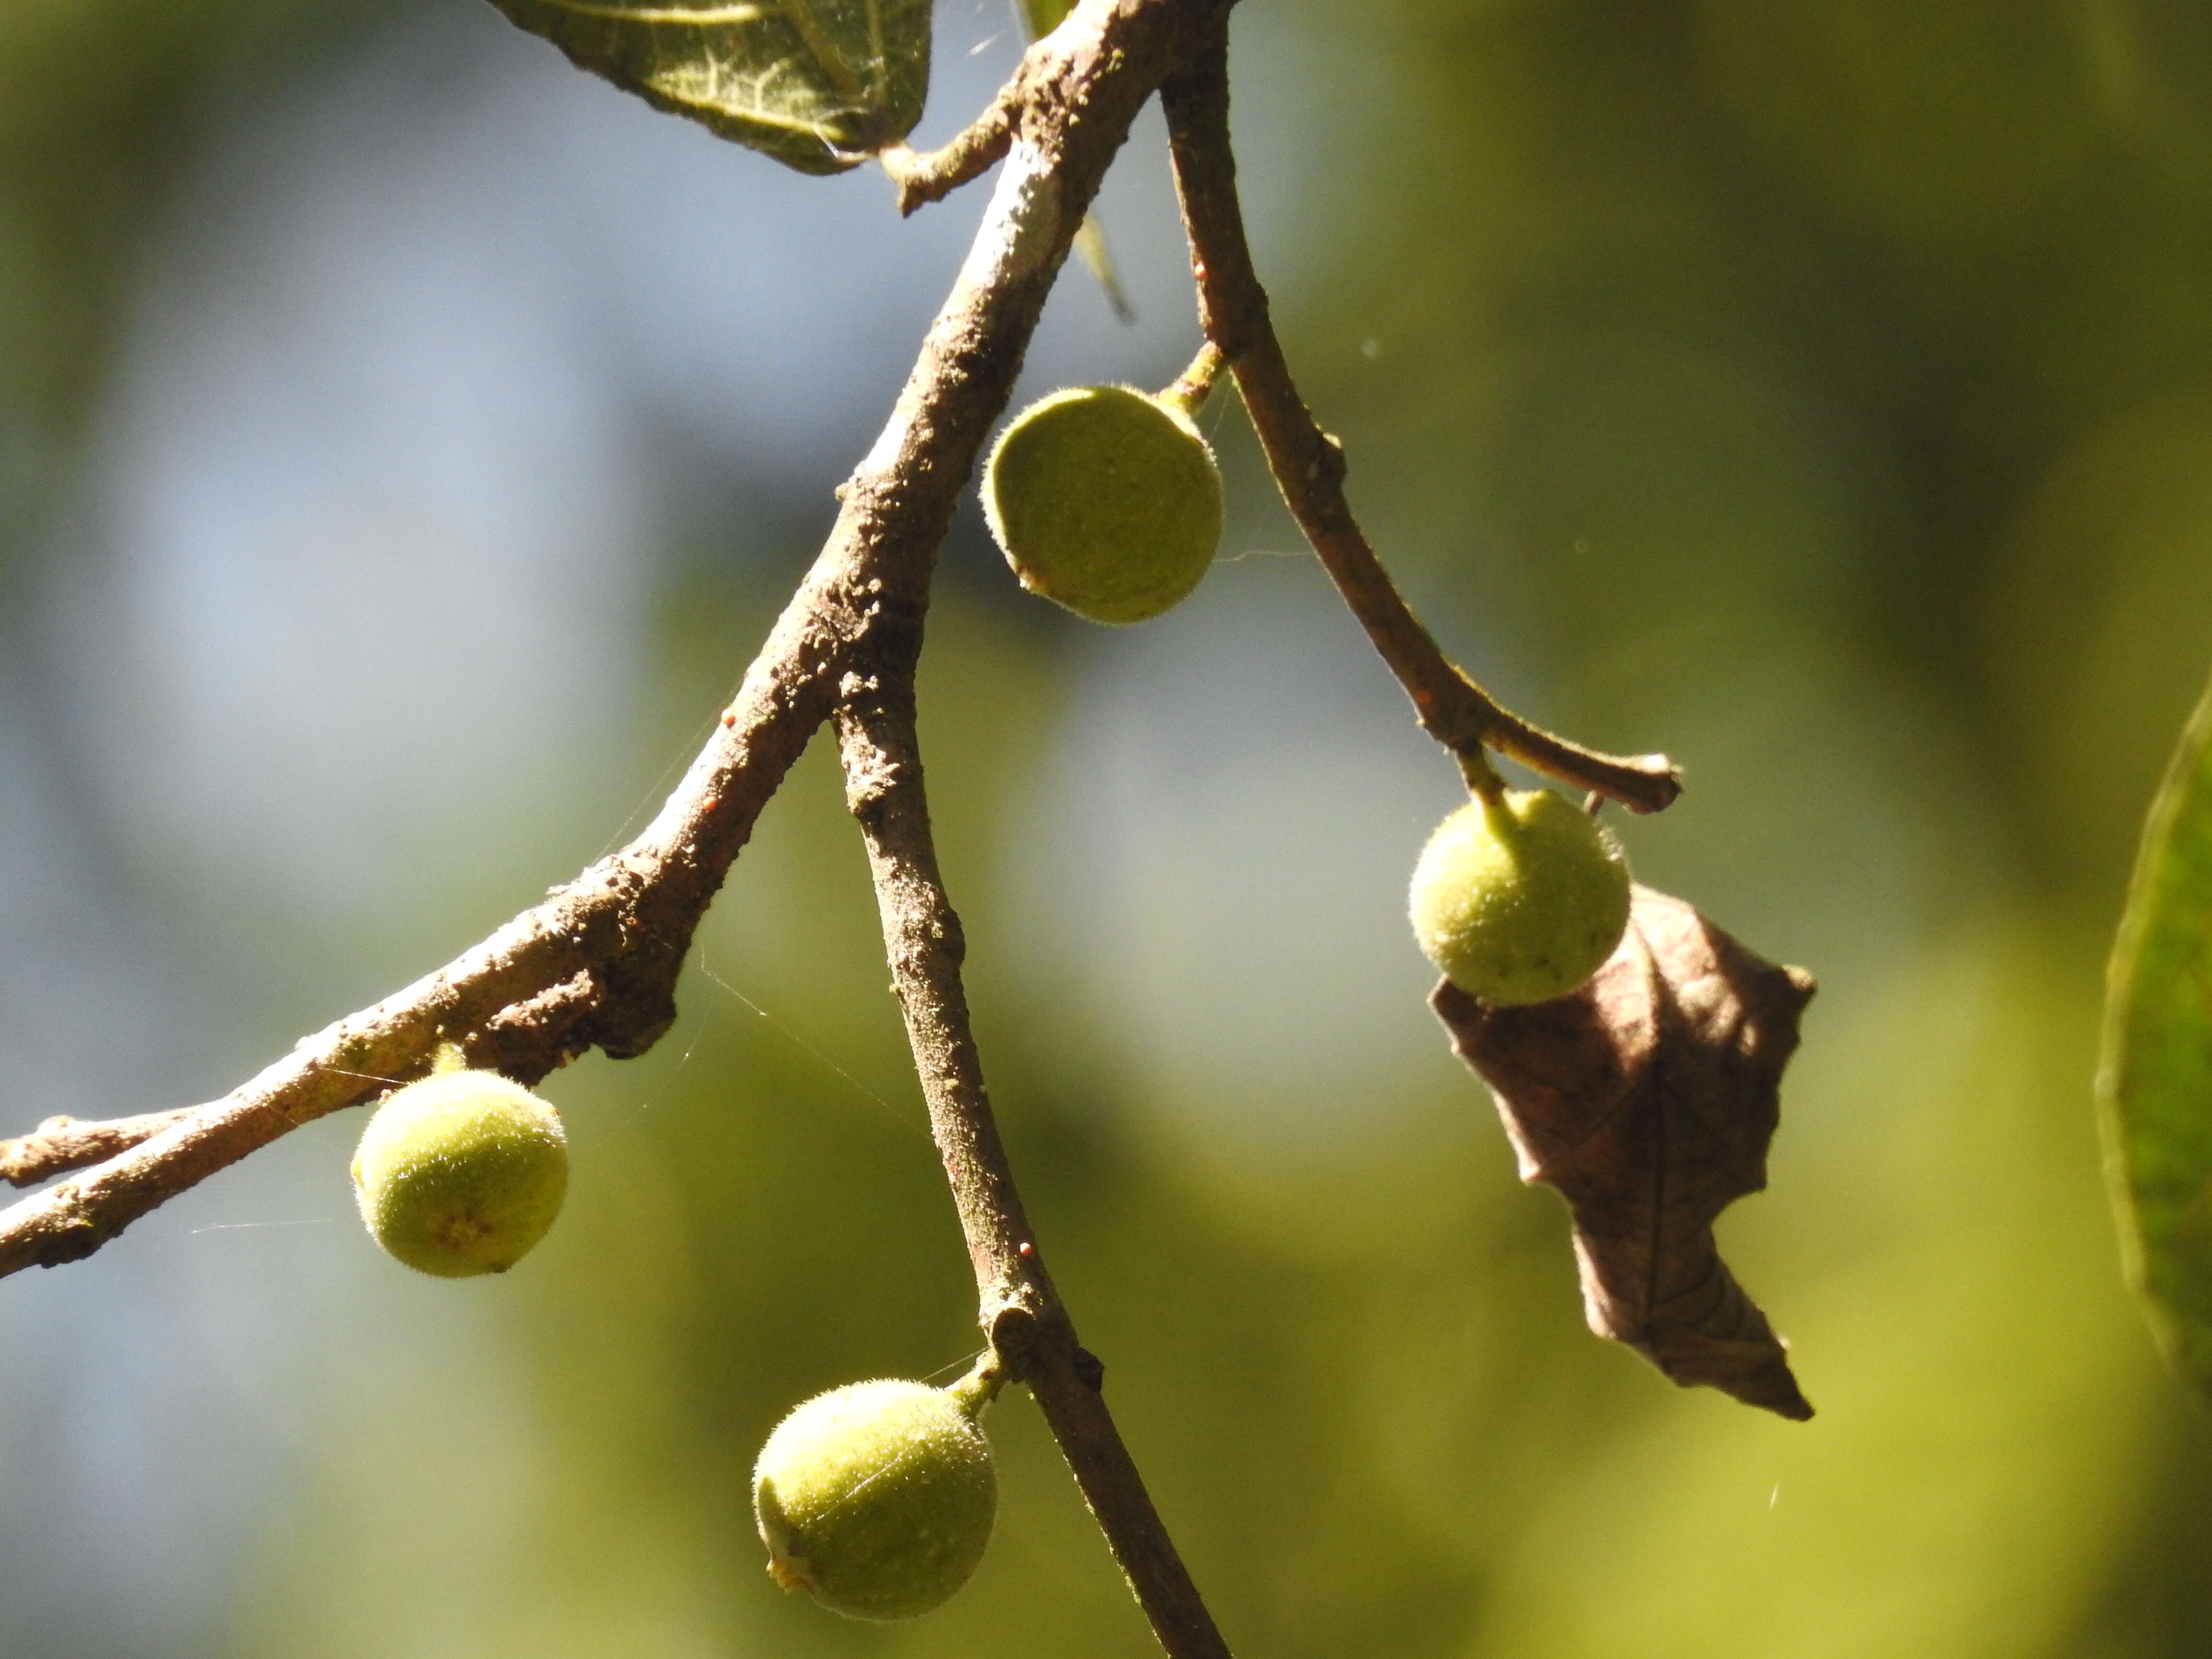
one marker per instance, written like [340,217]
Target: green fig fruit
[1106,501]
[461,1173]
[1520,899]
[878,1497]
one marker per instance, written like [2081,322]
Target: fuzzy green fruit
[461,1173]
[1106,501]
[877,1497]
[1521,899]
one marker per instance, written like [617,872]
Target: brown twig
[62,1144]
[1310,469]
[925,176]
[1029,1327]
[596,963]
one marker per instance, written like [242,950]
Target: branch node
[1012,1331]
[1331,466]
[1090,1370]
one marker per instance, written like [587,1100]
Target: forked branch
[596,963]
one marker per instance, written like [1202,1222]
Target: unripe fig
[461,1173]
[1105,500]
[1520,899]
[877,1497]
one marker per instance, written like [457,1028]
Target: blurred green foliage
[1821,394]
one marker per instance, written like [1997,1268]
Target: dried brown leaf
[1648,1099]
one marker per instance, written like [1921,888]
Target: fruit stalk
[1196,383]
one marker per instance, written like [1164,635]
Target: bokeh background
[405,442]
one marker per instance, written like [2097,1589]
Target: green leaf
[2154,1086]
[820,85]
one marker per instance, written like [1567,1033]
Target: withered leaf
[1648,1099]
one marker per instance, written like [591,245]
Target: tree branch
[596,963]
[1029,1327]
[1309,467]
